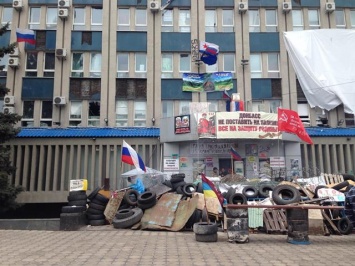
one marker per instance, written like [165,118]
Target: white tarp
[324,63]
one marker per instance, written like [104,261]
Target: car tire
[285,194]
[129,221]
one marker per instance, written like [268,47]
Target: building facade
[101,65]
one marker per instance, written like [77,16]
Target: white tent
[149,171]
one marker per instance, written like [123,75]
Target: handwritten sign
[247,125]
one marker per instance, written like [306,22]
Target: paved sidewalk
[104,245]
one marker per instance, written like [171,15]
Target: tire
[348,177]
[98,202]
[72,221]
[250,192]
[129,221]
[230,192]
[199,188]
[93,193]
[78,192]
[77,203]
[76,197]
[97,222]
[97,206]
[95,216]
[178,184]
[204,228]
[188,189]
[130,201]
[178,190]
[147,197]
[73,209]
[345,226]
[264,190]
[124,213]
[175,178]
[168,183]
[207,238]
[237,198]
[101,198]
[149,205]
[94,211]
[285,194]
[340,185]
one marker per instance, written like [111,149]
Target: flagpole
[232,164]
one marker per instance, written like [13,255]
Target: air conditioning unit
[59,100]
[154,6]
[286,7]
[243,7]
[13,62]
[63,13]
[8,110]
[63,3]
[329,7]
[15,52]
[61,53]
[9,100]
[17,4]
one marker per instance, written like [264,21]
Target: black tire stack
[73,215]
[126,218]
[147,200]
[205,232]
[177,182]
[97,206]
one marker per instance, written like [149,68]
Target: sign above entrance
[246,125]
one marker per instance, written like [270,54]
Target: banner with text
[247,125]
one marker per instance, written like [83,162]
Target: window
[121,113]
[75,113]
[96,18]
[184,107]
[352,18]
[297,20]
[6,15]
[122,65]
[313,16]
[210,21]
[46,114]
[228,20]
[255,66]
[271,20]
[167,108]
[273,67]
[167,66]
[140,109]
[141,65]
[49,62]
[141,20]
[212,68]
[167,18]
[340,19]
[77,65]
[79,18]
[228,63]
[349,120]
[185,63]
[254,21]
[303,112]
[258,106]
[94,114]
[28,114]
[213,106]
[34,18]
[51,18]
[274,104]
[4,65]
[123,19]
[31,64]
[184,21]
[95,65]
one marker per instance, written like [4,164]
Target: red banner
[289,121]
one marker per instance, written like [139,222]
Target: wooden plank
[332,225]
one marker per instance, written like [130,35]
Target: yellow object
[78,184]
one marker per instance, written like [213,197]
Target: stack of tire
[126,218]
[97,206]
[73,215]
[205,232]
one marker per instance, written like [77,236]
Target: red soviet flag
[289,121]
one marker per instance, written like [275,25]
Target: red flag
[289,121]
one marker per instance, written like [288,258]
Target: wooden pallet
[332,179]
[275,221]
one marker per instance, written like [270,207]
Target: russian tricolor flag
[235,155]
[25,35]
[130,156]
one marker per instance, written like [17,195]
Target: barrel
[297,226]
[237,225]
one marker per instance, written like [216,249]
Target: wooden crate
[275,221]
